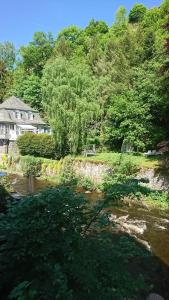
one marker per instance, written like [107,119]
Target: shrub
[46,252]
[40,145]
[124,170]
[86,183]
[31,165]
[67,173]
[158,198]
[5,189]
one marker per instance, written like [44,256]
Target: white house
[16,118]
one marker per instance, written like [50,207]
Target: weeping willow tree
[69,93]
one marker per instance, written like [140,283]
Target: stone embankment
[96,171]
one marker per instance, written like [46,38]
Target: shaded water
[25,185]
[155,232]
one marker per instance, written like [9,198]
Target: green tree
[121,16]
[70,33]
[165,6]
[35,55]
[70,102]
[5,80]
[8,55]
[27,87]
[96,27]
[137,13]
[125,122]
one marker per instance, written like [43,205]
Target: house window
[18,115]
[2,128]
[30,116]
[12,126]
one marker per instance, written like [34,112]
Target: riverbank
[154,200]
[133,213]
[126,178]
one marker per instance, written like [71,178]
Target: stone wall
[94,171]
[157,179]
[3,149]
[8,147]
[12,148]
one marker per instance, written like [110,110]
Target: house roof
[15,103]
[8,108]
[5,117]
[24,120]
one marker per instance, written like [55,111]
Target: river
[149,227]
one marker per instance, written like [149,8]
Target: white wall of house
[12,131]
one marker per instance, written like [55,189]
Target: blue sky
[21,18]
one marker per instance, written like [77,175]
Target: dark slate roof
[15,103]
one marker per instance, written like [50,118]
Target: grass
[157,199]
[113,157]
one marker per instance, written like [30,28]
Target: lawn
[112,157]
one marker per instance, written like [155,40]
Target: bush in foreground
[5,189]
[48,251]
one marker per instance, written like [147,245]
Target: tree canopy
[94,84]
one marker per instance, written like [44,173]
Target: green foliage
[158,199]
[137,13]
[70,34]
[36,54]
[47,238]
[124,121]
[121,16]
[67,173]
[121,20]
[122,172]
[5,80]
[102,84]
[8,55]
[69,100]
[96,27]
[5,189]
[40,145]
[86,183]
[165,6]
[31,165]
[27,87]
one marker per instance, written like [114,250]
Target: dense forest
[100,85]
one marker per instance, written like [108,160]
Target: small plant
[86,183]
[67,173]
[4,161]
[31,165]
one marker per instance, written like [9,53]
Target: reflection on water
[26,185]
[156,233]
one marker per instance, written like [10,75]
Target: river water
[149,227]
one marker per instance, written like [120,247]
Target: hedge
[39,145]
